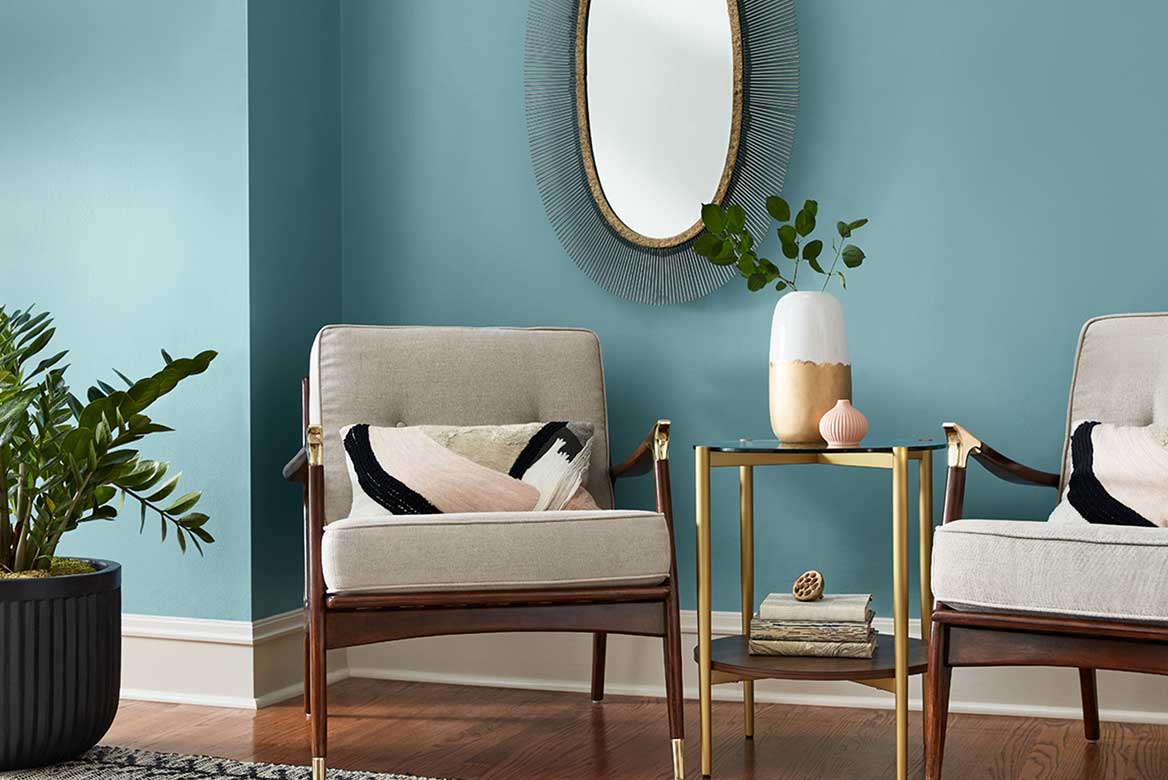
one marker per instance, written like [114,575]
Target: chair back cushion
[1121,374]
[390,376]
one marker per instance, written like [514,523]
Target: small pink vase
[843,425]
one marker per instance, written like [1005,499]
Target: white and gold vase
[810,369]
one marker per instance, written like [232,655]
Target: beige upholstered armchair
[399,576]
[1083,595]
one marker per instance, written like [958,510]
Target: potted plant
[64,462]
[810,369]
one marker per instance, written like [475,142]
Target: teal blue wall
[171,175]
[1010,156]
[124,211]
[294,129]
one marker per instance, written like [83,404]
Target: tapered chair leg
[674,694]
[1090,703]
[599,649]
[937,718]
[307,678]
[318,682]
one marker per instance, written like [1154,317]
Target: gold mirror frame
[589,160]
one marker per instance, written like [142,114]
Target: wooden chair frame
[345,620]
[963,638]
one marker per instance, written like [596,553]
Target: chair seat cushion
[495,551]
[1084,571]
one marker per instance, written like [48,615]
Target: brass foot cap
[678,759]
[318,770]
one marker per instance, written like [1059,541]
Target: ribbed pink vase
[843,425]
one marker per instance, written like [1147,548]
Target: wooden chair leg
[1090,703]
[940,675]
[307,678]
[674,692]
[318,681]
[599,649]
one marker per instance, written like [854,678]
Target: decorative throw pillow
[1119,476]
[434,469]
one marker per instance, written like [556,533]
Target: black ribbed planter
[60,664]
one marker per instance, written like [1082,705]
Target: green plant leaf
[735,218]
[790,250]
[843,229]
[713,217]
[812,250]
[778,208]
[811,207]
[183,504]
[815,266]
[746,265]
[756,282]
[856,225]
[707,245]
[780,285]
[804,222]
[165,489]
[725,255]
[852,256]
[747,242]
[843,279]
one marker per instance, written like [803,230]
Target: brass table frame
[896,461]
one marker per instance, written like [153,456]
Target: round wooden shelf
[730,654]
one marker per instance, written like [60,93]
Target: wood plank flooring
[495,734]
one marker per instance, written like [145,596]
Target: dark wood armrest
[296,470]
[964,445]
[655,447]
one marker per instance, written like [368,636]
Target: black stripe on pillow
[386,490]
[1087,495]
[534,448]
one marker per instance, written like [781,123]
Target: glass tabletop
[874,443]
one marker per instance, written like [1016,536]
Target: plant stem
[5,521]
[838,250]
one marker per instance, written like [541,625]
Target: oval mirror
[659,105]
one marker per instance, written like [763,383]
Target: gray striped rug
[116,763]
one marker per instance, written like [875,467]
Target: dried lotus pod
[808,586]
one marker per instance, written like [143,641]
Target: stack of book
[837,626]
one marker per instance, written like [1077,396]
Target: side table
[727,660]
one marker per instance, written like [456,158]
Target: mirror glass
[661,109]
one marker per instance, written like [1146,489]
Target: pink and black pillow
[435,469]
[1119,476]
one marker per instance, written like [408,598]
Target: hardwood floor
[495,734]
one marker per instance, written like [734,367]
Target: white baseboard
[253,665]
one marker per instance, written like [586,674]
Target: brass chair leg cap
[679,759]
[318,768]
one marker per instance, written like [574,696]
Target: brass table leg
[702,491]
[900,602]
[925,514]
[746,517]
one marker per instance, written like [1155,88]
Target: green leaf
[182,540]
[815,266]
[713,217]
[804,222]
[193,520]
[812,250]
[166,357]
[843,229]
[184,504]
[790,250]
[746,265]
[787,234]
[811,207]
[725,255]
[859,223]
[735,218]
[165,490]
[756,282]
[781,285]
[852,256]
[707,245]
[843,279]
[747,243]
[778,208]
[142,524]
